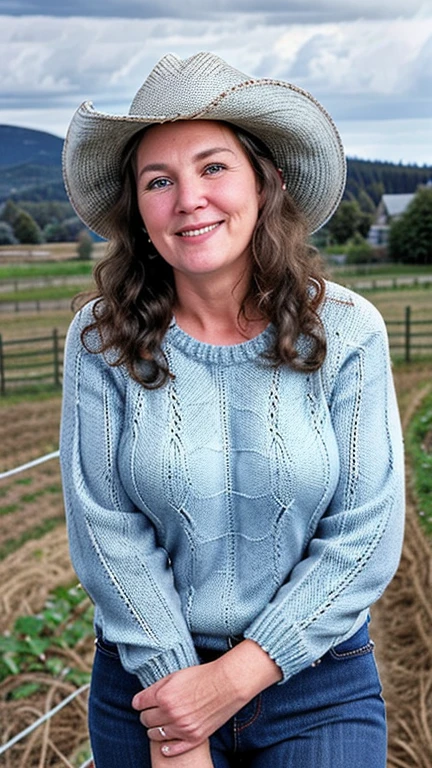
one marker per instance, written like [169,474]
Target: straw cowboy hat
[297,130]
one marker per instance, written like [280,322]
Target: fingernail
[165,749]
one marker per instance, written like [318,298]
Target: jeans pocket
[107,648]
[359,644]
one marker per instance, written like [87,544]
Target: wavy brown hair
[135,293]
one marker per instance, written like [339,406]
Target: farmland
[34,562]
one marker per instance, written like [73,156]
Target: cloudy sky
[368,61]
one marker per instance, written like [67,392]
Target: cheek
[153,215]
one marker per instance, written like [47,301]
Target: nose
[190,195]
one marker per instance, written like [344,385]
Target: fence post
[56,358]
[2,369]
[407,334]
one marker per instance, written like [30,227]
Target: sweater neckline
[224,354]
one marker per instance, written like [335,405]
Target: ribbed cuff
[157,667]
[282,643]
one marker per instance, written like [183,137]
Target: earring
[150,255]
[146,233]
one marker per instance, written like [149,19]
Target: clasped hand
[183,709]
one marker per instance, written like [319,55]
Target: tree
[85,245]
[72,227]
[47,212]
[55,233]
[26,230]
[345,222]
[410,236]
[10,212]
[365,202]
[359,251]
[7,236]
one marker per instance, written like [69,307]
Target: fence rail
[409,338]
[25,363]
[35,305]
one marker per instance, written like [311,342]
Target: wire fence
[47,716]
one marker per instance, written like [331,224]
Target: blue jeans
[330,715]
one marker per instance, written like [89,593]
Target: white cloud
[106,59]
[359,57]
[361,70]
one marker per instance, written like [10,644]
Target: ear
[279,170]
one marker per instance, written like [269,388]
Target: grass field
[23,256]
[361,271]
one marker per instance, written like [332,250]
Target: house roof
[395,205]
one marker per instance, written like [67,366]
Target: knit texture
[301,136]
[239,499]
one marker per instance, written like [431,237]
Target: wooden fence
[26,363]
[410,339]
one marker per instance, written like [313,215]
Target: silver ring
[162,731]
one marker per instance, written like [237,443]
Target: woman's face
[198,197]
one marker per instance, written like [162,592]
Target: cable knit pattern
[239,499]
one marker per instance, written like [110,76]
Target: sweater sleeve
[355,547]
[113,545]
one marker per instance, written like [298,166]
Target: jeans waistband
[210,654]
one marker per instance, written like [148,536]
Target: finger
[177,747]
[159,733]
[147,697]
[144,699]
[151,718]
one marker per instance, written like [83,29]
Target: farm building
[389,208]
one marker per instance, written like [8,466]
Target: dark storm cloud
[300,12]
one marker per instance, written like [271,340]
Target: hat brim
[299,133]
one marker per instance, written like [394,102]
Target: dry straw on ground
[403,619]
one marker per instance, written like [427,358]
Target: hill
[30,165]
[22,146]
[30,170]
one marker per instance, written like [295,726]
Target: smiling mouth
[196,232]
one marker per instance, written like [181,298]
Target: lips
[198,231]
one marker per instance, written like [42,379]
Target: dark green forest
[375,178]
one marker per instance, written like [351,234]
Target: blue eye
[158,184]
[214,168]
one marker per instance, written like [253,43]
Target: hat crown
[177,87]
[297,130]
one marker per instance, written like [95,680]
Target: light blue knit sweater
[238,499]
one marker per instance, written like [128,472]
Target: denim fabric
[330,715]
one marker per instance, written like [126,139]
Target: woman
[231,447]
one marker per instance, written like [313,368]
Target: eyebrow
[199,156]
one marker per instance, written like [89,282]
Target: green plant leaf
[10,662]
[37,645]
[25,690]
[55,665]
